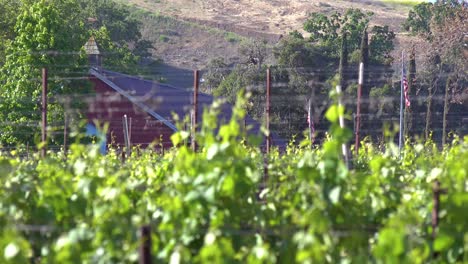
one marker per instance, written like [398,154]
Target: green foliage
[45,35]
[323,28]
[296,34]
[115,56]
[51,33]
[8,16]
[163,38]
[440,23]
[327,31]
[296,52]
[310,65]
[383,106]
[235,81]
[364,48]
[298,64]
[419,19]
[253,52]
[343,62]
[243,77]
[231,37]
[381,45]
[216,72]
[122,27]
[206,206]
[424,18]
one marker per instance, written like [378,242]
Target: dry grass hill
[271,16]
[188,33]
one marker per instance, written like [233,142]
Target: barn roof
[162,100]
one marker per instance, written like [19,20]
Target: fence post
[126,135]
[44,113]
[130,130]
[145,245]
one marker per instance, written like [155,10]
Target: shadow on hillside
[175,76]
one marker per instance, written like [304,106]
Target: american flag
[405,88]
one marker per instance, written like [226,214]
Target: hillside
[183,46]
[273,17]
[186,34]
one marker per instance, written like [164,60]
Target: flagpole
[344,146]
[309,122]
[400,141]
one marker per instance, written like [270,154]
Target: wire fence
[151,105]
[137,112]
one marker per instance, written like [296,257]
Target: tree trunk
[343,62]
[446,106]
[411,93]
[428,112]
[365,59]
[365,89]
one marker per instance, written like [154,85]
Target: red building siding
[108,106]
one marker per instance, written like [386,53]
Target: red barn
[148,105]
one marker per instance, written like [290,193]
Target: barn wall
[109,107]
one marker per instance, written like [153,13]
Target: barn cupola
[94,55]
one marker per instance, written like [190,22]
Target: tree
[381,44]
[411,92]
[419,19]
[117,56]
[364,58]
[216,73]
[327,31]
[122,27]
[425,17]
[244,77]
[254,52]
[343,62]
[8,14]
[51,33]
[309,64]
[446,108]
[296,53]
[45,37]
[432,78]
[444,28]
[117,32]
[303,69]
